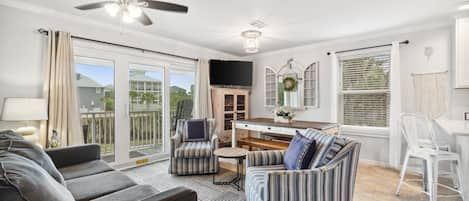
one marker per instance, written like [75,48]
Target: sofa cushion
[194,150]
[29,180]
[299,153]
[94,186]
[85,169]
[32,152]
[323,142]
[196,130]
[255,180]
[335,148]
[135,193]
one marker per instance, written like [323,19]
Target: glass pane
[228,118]
[240,102]
[366,73]
[366,109]
[181,95]
[145,110]
[95,87]
[229,102]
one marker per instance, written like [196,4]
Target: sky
[104,75]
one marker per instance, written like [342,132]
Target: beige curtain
[60,91]
[202,97]
[431,94]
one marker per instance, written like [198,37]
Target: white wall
[375,143]
[21,47]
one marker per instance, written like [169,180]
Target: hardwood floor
[373,183]
[377,183]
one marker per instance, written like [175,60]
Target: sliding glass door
[94,80]
[129,101]
[145,110]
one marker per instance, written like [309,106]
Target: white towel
[431,94]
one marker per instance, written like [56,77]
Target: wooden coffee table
[232,153]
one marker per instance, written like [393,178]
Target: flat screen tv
[237,73]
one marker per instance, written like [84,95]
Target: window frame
[265,87]
[316,88]
[342,92]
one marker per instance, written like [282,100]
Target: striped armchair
[192,158]
[268,180]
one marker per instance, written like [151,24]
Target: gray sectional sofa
[76,173]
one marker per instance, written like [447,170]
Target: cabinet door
[462,50]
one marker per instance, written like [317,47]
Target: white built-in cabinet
[462,53]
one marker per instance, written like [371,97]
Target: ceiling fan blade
[93,5]
[144,19]
[160,5]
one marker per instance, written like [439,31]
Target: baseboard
[375,163]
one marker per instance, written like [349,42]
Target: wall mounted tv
[236,73]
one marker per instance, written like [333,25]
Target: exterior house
[90,94]
[145,92]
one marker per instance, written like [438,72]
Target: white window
[311,88]
[270,87]
[364,89]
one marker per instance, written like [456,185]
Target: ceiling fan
[131,10]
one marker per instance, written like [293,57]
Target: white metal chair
[421,144]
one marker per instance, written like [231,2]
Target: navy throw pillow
[299,153]
[196,130]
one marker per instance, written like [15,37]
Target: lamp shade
[24,109]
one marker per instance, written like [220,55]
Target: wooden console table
[269,126]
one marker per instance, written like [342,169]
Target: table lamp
[25,109]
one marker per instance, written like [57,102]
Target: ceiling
[217,24]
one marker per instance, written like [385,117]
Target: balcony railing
[145,130]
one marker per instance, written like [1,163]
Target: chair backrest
[417,130]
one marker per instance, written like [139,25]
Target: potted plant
[283,114]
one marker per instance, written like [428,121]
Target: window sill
[362,131]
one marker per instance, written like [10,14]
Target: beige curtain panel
[202,97]
[60,91]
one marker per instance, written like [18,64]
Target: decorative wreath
[289,83]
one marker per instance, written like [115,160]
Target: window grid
[270,87]
[310,85]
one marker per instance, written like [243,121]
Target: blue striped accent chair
[192,158]
[268,180]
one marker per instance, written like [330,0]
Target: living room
[299,100]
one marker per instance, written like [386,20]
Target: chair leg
[403,170]
[434,185]
[429,173]
[459,175]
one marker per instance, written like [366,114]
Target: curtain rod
[376,46]
[45,32]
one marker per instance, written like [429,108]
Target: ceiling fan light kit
[131,10]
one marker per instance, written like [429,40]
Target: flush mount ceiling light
[251,40]
[131,10]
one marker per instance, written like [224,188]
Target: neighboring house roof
[138,75]
[85,81]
